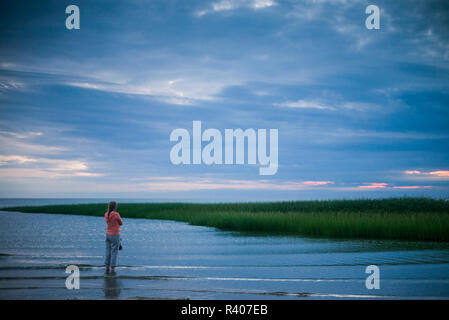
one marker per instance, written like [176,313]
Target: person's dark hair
[111,207]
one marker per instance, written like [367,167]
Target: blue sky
[88,113]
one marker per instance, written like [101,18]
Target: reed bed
[422,219]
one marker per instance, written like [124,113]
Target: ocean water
[174,260]
[13,202]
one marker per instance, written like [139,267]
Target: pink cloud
[413,172]
[440,173]
[317,183]
[384,185]
[412,187]
[187,184]
[374,185]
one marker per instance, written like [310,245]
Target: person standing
[113,221]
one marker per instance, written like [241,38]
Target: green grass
[394,218]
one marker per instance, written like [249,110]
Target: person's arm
[119,219]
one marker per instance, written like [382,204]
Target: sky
[360,113]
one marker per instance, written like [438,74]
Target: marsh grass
[394,218]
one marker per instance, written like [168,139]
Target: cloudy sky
[89,112]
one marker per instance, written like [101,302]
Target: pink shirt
[114,222]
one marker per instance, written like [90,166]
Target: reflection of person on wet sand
[112,287]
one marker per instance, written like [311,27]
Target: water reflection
[112,287]
[36,248]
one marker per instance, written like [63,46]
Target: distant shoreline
[420,219]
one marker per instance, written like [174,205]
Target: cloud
[163,94]
[432,44]
[390,134]
[359,37]
[172,91]
[228,5]
[63,165]
[374,185]
[180,83]
[259,4]
[320,105]
[88,174]
[22,157]
[9,84]
[412,187]
[43,174]
[4,160]
[193,183]
[304,104]
[21,135]
[337,15]
[440,173]
[16,142]
[412,172]
[42,167]
[317,183]
[428,174]
[384,185]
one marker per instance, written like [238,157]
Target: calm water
[165,259]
